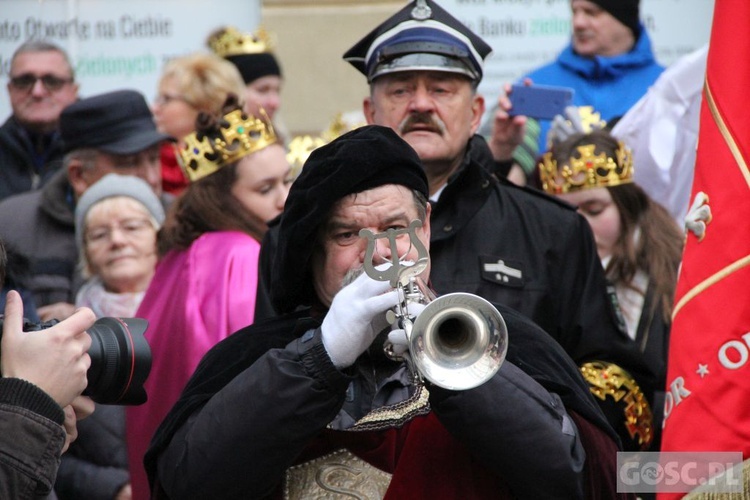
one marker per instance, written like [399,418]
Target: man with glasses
[112,132]
[40,86]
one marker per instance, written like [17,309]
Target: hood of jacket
[605,67]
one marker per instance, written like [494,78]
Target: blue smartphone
[541,102]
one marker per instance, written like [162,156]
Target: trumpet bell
[459,341]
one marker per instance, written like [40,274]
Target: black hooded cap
[365,158]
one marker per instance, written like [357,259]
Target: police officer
[510,245]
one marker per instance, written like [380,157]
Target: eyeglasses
[164,99]
[27,81]
[129,228]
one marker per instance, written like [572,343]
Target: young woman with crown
[205,283]
[638,242]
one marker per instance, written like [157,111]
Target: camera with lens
[120,359]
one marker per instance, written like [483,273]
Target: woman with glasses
[117,220]
[189,85]
[116,224]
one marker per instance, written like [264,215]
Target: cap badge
[421,11]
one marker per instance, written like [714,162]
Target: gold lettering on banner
[338,475]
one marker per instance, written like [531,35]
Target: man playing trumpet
[307,404]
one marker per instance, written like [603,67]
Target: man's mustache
[422,121]
[352,275]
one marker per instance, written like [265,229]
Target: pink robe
[197,298]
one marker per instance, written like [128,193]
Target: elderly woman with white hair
[116,224]
[117,219]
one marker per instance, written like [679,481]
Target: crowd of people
[273,372]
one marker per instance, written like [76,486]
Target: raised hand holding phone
[542,102]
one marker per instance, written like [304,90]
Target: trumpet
[459,341]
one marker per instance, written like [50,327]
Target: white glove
[356,317]
[565,126]
[698,216]
[397,336]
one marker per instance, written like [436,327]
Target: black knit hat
[365,158]
[625,11]
[251,53]
[254,66]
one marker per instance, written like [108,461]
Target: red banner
[708,380]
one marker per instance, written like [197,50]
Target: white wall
[523,33]
[117,44]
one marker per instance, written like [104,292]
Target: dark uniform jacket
[260,404]
[21,167]
[527,250]
[524,249]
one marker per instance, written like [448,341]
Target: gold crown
[608,380]
[302,145]
[299,150]
[588,170]
[240,135]
[231,42]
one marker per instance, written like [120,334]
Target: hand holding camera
[55,360]
[112,353]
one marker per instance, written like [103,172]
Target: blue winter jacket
[610,84]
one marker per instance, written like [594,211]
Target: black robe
[529,349]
